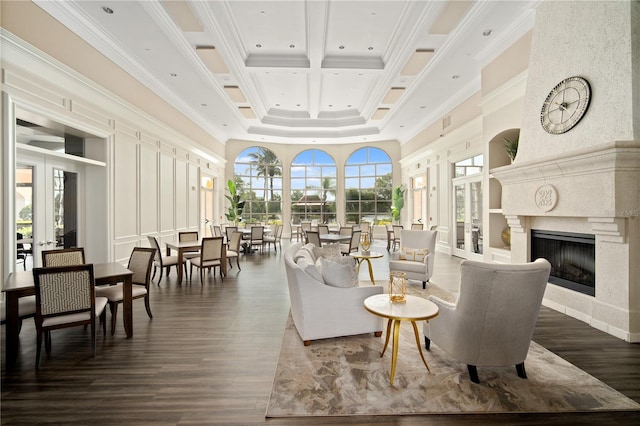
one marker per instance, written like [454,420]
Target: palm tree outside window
[313,187]
[258,178]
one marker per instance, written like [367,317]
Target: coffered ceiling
[303,71]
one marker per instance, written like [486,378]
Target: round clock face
[565,105]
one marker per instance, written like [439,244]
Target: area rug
[346,376]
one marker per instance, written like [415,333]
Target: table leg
[386,340]
[127,305]
[415,332]
[12,328]
[370,270]
[180,265]
[396,343]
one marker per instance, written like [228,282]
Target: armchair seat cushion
[407,266]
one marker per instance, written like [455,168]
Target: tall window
[368,186]
[313,187]
[258,179]
[468,166]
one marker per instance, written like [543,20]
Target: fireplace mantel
[598,181]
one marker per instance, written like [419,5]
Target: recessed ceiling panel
[283,90]
[343,90]
[358,28]
[268,28]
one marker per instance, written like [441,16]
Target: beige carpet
[347,376]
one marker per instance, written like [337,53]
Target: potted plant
[234,213]
[398,202]
[511,146]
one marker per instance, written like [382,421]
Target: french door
[54,212]
[467,220]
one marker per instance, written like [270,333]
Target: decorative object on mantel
[511,146]
[565,105]
[546,197]
[397,287]
[506,236]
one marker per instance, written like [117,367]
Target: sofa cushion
[332,251]
[310,268]
[340,272]
[415,254]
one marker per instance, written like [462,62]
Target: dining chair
[323,229]
[314,238]
[161,261]
[140,263]
[417,226]
[187,236]
[305,226]
[365,227]
[395,241]
[346,230]
[229,230]
[257,237]
[233,249]
[274,238]
[353,244]
[63,257]
[295,230]
[65,297]
[210,257]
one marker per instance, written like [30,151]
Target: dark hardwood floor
[209,354]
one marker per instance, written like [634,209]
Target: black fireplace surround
[572,257]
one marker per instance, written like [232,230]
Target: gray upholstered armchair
[412,258]
[492,322]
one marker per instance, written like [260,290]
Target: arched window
[368,186]
[313,187]
[258,178]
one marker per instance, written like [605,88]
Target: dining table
[183,247]
[334,238]
[21,284]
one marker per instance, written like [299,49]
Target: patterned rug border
[346,377]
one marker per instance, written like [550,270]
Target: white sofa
[415,270]
[321,311]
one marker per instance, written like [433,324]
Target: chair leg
[473,373]
[103,321]
[147,305]
[424,285]
[47,341]
[160,279]
[230,265]
[427,343]
[155,269]
[38,348]
[238,263]
[114,315]
[521,371]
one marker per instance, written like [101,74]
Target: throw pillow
[310,268]
[414,254]
[339,272]
[332,251]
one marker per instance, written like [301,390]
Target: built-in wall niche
[498,157]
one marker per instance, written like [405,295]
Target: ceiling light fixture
[173,74]
[487,33]
[455,77]
[370,48]
[258,45]
[341,47]
[291,46]
[107,10]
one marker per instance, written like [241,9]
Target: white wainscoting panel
[167,192]
[194,196]
[181,194]
[125,198]
[149,209]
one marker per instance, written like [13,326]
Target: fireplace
[572,257]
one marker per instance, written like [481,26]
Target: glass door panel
[467,234]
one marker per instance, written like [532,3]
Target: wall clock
[565,105]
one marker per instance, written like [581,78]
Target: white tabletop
[414,309]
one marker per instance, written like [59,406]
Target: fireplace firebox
[572,257]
